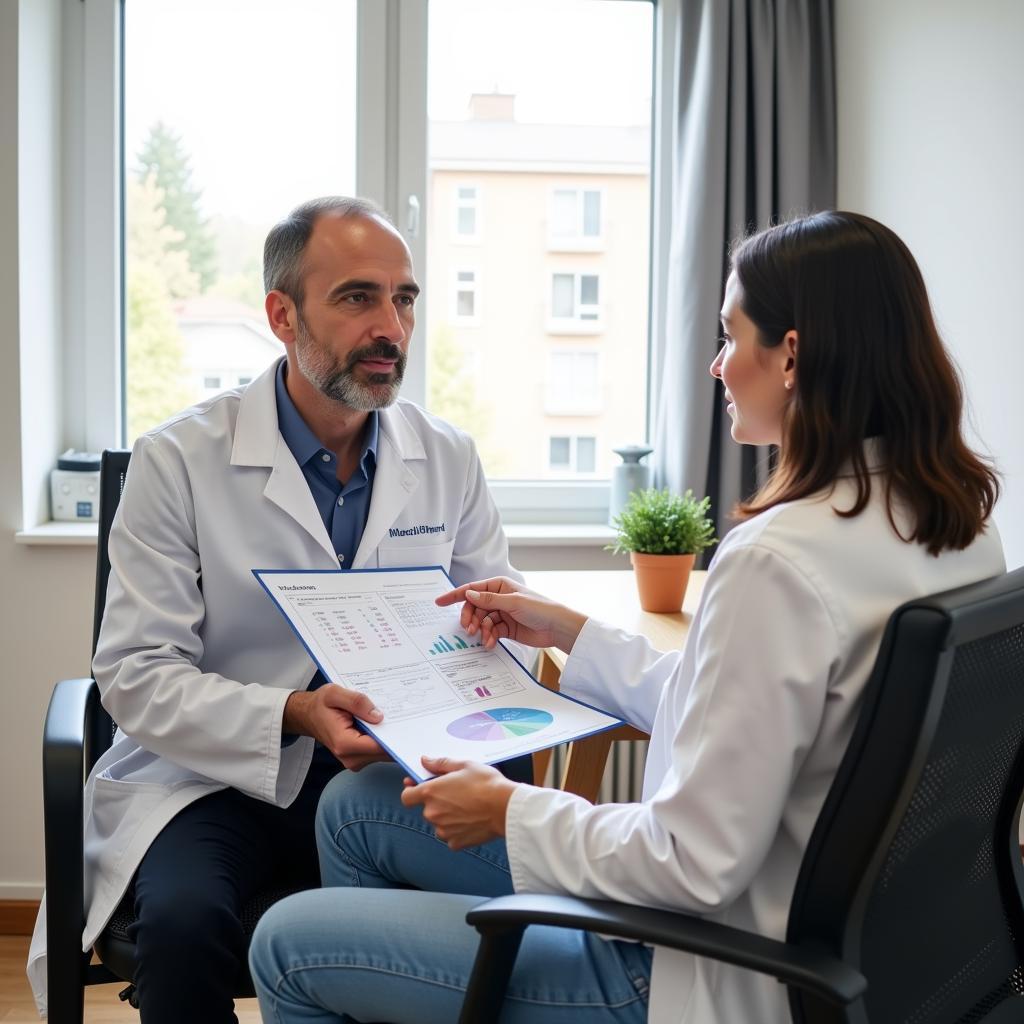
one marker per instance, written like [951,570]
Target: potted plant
[663,533]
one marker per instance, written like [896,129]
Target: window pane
[203,187]
[586,377]
[586,454]
[559,452]
[592,214]
[563,213]
[554,143]
[563,302]
[467,220]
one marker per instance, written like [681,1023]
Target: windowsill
[538,534]
[73,534]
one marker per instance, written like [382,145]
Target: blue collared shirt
[342,507]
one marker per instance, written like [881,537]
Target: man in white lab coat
[226,736]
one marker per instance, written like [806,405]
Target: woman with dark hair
[830,352]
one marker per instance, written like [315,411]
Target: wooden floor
[101,1003]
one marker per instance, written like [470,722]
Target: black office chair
[908,905]
[77,731]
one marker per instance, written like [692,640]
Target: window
[486,119]
[575,302]
[571,454]
[203,187]
[465,305]
[576,219]
[467,213]
[573,385]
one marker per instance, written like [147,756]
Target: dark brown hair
[870,363]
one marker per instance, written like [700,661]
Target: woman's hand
[502,609]
[466,803]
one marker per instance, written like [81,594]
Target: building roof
[506,145]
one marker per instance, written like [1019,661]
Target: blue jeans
[387,939]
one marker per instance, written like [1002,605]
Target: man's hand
[466,803]
[328,714]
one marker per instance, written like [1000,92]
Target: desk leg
[584,766]
[549,674]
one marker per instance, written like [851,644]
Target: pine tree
[157,273]
[164,157]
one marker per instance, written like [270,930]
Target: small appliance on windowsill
[75,487]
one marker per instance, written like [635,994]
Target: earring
[789,385]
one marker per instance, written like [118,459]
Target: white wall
[931,142]
[45,616]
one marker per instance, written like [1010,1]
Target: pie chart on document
[499,724]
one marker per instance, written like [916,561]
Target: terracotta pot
[661,580]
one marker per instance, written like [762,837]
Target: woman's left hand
[466,803]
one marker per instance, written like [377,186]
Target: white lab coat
[749,723]
[194,662]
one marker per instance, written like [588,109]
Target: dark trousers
[206,864]
[190,888]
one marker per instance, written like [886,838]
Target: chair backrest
[113,469]
[913,872]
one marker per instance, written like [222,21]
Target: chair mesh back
[937,944]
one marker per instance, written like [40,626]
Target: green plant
[657,522]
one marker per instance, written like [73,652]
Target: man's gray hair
[286,242]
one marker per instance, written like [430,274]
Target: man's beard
[339,382]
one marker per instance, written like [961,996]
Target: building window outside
[572,454]
[573,383]
[466,299]
[576,219]
[467,213]
[576,298]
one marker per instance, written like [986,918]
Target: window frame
[458,205]
[578,242]
[552,407]
[577,323]
[457,286]
[391,167]
[572,470]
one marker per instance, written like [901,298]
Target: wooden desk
[611,596]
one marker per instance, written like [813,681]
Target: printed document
[442,694]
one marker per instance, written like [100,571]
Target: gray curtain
[753,142]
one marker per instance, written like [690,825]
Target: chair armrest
[812,970]
[74,705]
